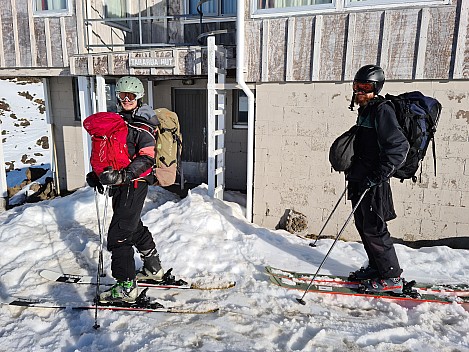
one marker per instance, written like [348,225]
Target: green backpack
[168,147]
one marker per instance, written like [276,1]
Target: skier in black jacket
[380,148]
[129,187]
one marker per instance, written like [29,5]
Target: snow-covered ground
[25,134]
[206,240]
[209,240]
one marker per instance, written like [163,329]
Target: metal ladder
[217,63]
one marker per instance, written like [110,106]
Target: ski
[143,304]
[168,281]
[412,296]
[461,290]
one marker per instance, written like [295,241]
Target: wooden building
[299,59]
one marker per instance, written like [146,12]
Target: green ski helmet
[130,84]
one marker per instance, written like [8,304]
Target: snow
[209,241]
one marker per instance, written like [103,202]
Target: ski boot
[151,269]
[364,274]
[393,286]
[121,292]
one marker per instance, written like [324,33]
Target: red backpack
[108,132]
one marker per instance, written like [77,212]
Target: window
[50,5]
[279,6]
[240,109]
[275,4]
[76,102]
[110,87]
[116,9]
[214,7]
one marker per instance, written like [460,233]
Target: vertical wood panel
[8,34]
[440,36]
[399,43]
[461,69]
[55,42]
[41,49]
[71,37]
[24,39]
[363,44]
[252,58]
[176,27]
[2,57]
[274,50]
[15,33]
[332,47]
[32,36]
[300,35]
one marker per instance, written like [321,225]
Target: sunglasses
[367,87]
[124,96]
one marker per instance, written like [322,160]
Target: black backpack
[418,116]
[341,150]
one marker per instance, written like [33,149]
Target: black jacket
[380,146]
[141,140]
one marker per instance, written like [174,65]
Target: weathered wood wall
[409,43]
[48,45]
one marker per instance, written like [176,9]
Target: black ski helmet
[371,73]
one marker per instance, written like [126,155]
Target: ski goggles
[125,96]
[363,87]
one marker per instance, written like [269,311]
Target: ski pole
[301,300]
[330,215]
[100,271]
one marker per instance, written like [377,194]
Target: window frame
[235,123]
[342,5]
[52,13]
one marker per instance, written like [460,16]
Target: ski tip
[301,301]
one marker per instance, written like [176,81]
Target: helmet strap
[352,103]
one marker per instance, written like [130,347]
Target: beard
[363,99]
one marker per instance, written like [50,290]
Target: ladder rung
[219,170]
[219,132]
[220,86]
[218,112]
[219,151]
[218,189]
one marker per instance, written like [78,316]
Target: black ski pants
[370,217]
[126,229]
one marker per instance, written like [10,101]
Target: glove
[93,181]
[114,177]
[369,182]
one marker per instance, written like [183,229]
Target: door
[191,107]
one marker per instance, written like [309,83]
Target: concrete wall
[295,126]
[67,134]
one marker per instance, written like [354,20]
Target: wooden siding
[8,38]
[253,31]
[299,50]
[398,47]
[409,43]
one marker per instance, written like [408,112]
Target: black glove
[114,177]
[370,182]
[93,181]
